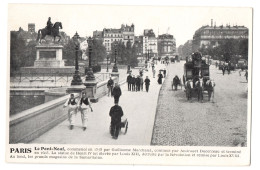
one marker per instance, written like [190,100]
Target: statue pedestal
[49,56]
[91,89]
[75,89]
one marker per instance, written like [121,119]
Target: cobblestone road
[182,123]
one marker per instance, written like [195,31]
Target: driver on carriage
[49,25]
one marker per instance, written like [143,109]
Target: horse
[210,88]
[189,87]
[54,32]
[200,88]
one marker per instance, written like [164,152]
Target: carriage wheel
[126,127]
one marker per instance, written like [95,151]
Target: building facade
[110,36]
[98,35]
[213,35]
[150,45]
[31,28]
[166,45]
[139,45]
[128,33]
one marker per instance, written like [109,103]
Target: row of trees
[24,55]
[126,54]
[229,50]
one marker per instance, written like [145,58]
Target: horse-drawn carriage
[196,73]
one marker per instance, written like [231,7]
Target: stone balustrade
[32,123]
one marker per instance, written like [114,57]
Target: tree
[227,50]
[98,51]
[133,59]
[30,55]
[17,52]
[69,53]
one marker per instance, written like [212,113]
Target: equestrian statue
[51,30]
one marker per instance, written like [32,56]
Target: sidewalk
[139,108]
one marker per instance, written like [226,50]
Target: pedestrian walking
[160,76]
[223,70]
[246,75]
[141,83]
[164,73]
[115,113]
[137,83]
[84,106]
[128,80]
[116,93]
[141,72]
[72,111]
[110,85]
[240,72]
[175,82]
[147,83]
[133,83]
[154,73]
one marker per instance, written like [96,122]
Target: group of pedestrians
[83,104]
[116,111]
[75,105]
[136,83]
[114,90]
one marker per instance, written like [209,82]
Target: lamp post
[115,69]
[107,63]
[90,75]
[76,77]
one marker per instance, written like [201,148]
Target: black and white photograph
[147,76]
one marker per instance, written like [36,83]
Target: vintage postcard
[151,85]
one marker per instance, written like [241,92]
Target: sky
[182,22]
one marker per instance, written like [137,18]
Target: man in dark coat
[160,76]
[246,75]
[133,83]
[137,83]
[115,113]
[116,93]
[175,82]
[141,83]
[223,70]
[128,80]
[110,85]
[147,83]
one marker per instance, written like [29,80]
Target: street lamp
[115,69]
[76,77]
[90,75]
[107,63]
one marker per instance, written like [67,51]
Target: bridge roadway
[139,108]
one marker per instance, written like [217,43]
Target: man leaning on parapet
[110,85]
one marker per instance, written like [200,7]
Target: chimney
[211,22]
